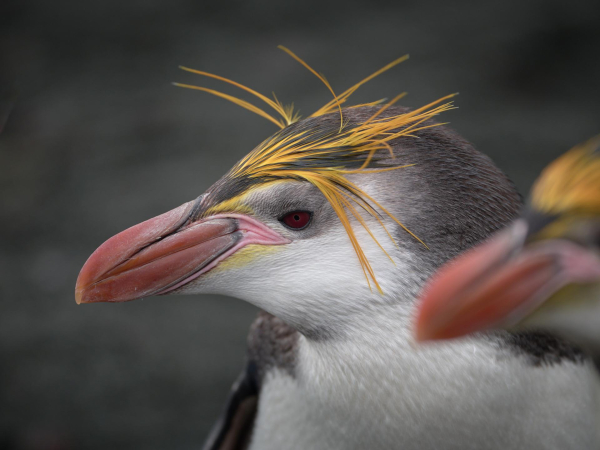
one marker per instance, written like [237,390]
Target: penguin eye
[296,220]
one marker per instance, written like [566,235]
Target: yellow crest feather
[324,159]
[571,183]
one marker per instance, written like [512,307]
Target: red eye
[297,220]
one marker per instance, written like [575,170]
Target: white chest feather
[387,393]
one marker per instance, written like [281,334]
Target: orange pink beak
[499,283]
[165,253]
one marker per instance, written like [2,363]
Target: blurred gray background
[97,139]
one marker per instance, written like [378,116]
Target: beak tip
[79,291]
[423,333]
[432,322]
[420,336]
[80,285]
[423,329]
[429,333]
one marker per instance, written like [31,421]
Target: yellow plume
[571,183]
[324,158]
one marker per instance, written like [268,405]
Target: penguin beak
[499,283]
[164,253]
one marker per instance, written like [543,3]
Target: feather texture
[571,183]
[324,157]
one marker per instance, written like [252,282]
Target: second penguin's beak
[500,282]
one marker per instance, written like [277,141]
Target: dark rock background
[97,139]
